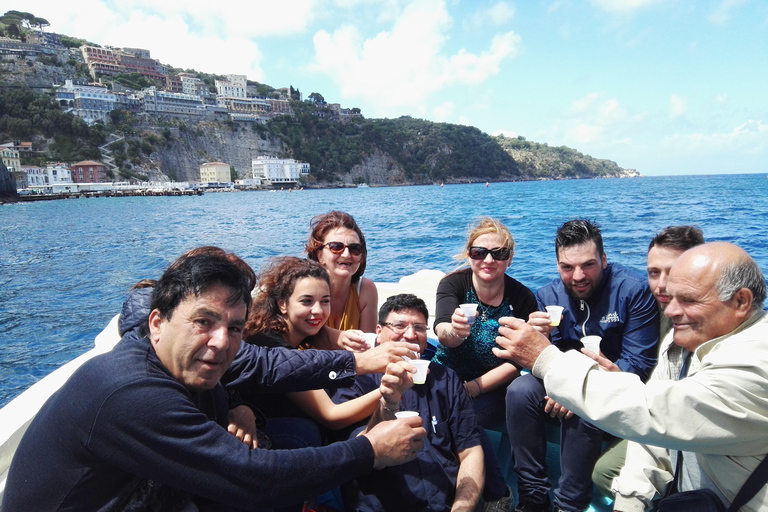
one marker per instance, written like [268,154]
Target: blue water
[66,265]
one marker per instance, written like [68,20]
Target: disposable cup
[405,414]
[420,377]
[370,339]
[470,311]
[592,343]
[555,313]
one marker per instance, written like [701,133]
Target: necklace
[484,309]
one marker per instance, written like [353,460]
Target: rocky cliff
[7,184]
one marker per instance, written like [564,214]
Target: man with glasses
[602,299]
[448,472]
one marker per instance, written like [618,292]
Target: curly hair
[276,284]
[320,225]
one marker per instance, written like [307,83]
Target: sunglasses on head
[498,254]
[338,248]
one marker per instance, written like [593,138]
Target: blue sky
[661,86]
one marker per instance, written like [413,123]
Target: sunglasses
[338,248]
[498,254]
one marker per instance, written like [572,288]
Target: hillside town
[183,96]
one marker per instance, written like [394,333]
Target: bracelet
[479,387]
[388,407]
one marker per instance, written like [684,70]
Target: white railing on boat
[16,416]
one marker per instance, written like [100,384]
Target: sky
[666,87]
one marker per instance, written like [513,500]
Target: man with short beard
[607,300]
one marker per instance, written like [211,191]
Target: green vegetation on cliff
[27,115]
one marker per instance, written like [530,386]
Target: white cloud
[678,106]
[622,6]
[506,133]
[444,112]
[405,66]
[592,119]
[584,133]
[497,14]
[723,11]
[750,137]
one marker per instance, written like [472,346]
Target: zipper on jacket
[582,305]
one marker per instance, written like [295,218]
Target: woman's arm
[317,404]
[452,334]
[369,303]
[497,377]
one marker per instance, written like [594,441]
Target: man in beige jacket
[717,415]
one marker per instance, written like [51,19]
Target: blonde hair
[487,226]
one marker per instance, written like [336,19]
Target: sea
[66,265]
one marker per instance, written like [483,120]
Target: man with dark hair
[602,299]
[448,473]
[663,251]
[708,406]
[143,427]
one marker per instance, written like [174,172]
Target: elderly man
[600,298]
[713,408]
[143,426]
[663,251]
[448,473]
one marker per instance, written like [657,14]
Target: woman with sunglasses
[290,311]
[465,347]
[337,243]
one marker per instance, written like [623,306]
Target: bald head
[713,289]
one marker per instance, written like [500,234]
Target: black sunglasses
[479,253]
[338,248]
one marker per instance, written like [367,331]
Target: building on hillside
[86,101]
[89,171]
[112,61]
[127,101]
[215,172]
[101,61]
[173,84]
[136,60]
[192,85]
[164,102]
[51,174]
[235,86]
[279,107]
[278,171]
[10,157]
[44,38]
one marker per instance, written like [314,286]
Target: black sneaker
[534,507]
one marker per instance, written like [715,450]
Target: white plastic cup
[555,313]
[470,311]
[420,377]
[370,339]
[592,343]
[406,414]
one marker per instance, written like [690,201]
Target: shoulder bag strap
[754,483]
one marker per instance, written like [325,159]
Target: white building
[86,101]
[233,87]
[278,171]
[52,174]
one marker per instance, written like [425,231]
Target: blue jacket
[622,310]
[429,481]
